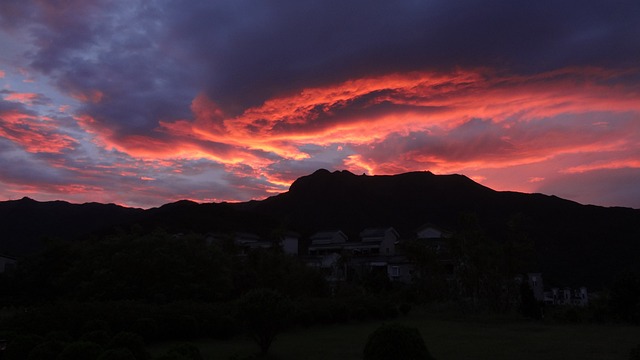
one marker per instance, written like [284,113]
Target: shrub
[81,350]
[183,327]
[117,354]
[132,342]
[46,351]
[60,336]
[529,306]
[148,328]
[20,346]
[405,308]
[99,337]
[395,341]
[183,352]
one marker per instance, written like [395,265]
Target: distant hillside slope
[575,244]
[26,222]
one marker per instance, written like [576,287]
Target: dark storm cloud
[149,60]
[109,55]
[256,51]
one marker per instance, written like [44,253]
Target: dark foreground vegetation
[118,296]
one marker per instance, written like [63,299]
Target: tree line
[160,287]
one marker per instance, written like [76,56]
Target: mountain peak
[321,177]
[325,180]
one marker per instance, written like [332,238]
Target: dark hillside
[574,244]
[190,217]
[26,222]
[350,202]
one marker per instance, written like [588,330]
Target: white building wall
[388,243]
[6,263]
[290,245]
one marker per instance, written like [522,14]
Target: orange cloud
[469,121]
[422,101]
[34,134]
[182,145]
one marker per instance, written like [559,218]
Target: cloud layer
[141,103]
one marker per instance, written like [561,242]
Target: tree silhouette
[264,312]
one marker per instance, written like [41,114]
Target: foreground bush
[395,341]
[81,350]
[117,354]
[20,346]
[132,342]
[46,351]
[183,352]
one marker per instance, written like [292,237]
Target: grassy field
[447,339]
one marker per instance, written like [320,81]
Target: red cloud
[417,101]
[25,98]
[34,134]
[466,121]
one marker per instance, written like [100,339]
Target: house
[337,257]
[327,242]
[249,241]
[290,243]
[7,263]
[536,285]
[375,241]
[534,280]
[325,251]
[438,241]
[400,269]
[567,296]
[434,237]
[214,238]
[376,251]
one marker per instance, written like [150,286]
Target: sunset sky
[141,103]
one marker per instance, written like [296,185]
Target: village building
[290,242]
[567,296]
[7,263]
[327,242]
[376,249]
[246,241]
[536,285]
[434,237]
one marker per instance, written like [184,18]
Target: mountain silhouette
[574,244]
[26,224]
